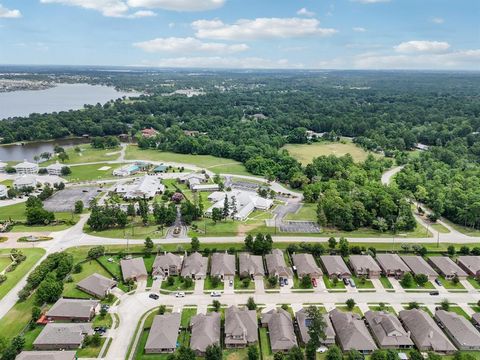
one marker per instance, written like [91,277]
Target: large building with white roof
[25,181]
[3,191]
[26,168]
[55,169]
[245,202]
[145,187]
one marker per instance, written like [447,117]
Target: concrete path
[199,287]
[378,285]
[259,286]
[396,285]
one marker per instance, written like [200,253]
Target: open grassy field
[305,153]
[14,212]
[87,154]
[308,212]
[4,262]
[214,164]
[92,172]
[33,255]
[17,318]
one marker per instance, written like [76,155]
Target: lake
[63,97]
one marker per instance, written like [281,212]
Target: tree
[36,313]
[421,279]
[148,246]
[95,252]
[332,243]
[249,242]
[65,171]
[306,282]
[49,290]
[62,156]
[226,208]
[78,207]
[103,312]
[445,304]
[246,282]
[379,355]
[215,281]
[185,353]
[350,304]
[407,280]
[162,309]
[295,353]
[451,250]
[316,331]
[321,218]
[413,305]
[195,244]
[343,246]
[251,305]
[415,355]
[213,352]
[334,353]
[216,215]
[354,355]
[252,353]
[272,281]
[131,210]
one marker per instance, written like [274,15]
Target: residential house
[3,166]
[24,181]
[133,269]
[476,319]
[447,267]
[46,355]
[471,264]
[3,191]
[241,327]
[163,334]
[364,265]
[280,329]
[78,310]
[55,169]
[242,203]
[250,266]
[149,132]
[351,332]
[302,319]
[276,265]
[418,265]
[335,266]
[145,187]
[424,332]
[62,336]
[305,264]
[167,264]
[205,332]
[392,265]
[223,266]
[388,330]
[26,168]
[195,266]
[97,285]
[460,331]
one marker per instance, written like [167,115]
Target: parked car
[230,283]
[434,293]
[438,282]
[352,283]
[100,330]
[215,294]
[180,294]
[153,296]
[285,281]
[345,281]
[280,281]
[314,282]
[322,349]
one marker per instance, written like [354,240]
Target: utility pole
[438,239]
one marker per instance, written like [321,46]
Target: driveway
[227,288]
[259,286]
[378,285]
[396,285]
[141,286]
[157,284]
[199,286]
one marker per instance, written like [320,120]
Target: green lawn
[187,314]
[330,285]
[17,318]
[209,286]
[7,183]
[448,284]
[137,231]
[208,228]
[463,229]
[33,256]
[238,284]
[88,268]
[4,262]
[363,283]
[385,308]
[305,153]
[179,284]
[30,335]
[427,286]
[265,344]
[355,310]
[235,354]
[440,228]
[386,283]
[14,212]
[105,321]
[308,212]
[87,154]
[475,283]
[92,172]
[91,351]
[112,267]
[298,285]
[458,310]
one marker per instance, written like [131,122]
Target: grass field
[179,284]
[135,232]
[214,164]
[88,268]
[265,344]
[305,153]
[33,255]
[87,154]
[187,314]
[92,172]
[17,318]
[440,228]
[4,262]
[308,212]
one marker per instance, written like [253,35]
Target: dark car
[438,282]
[154,296]
[434,293]
[100,330]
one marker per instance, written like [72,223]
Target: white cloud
[437,20]
[370,1]
[9,14]
[260,28]
[305,12]
[111,8]
[225,63]
[422,46]
[178,5]
[141,14]
[188,45]
[359,29]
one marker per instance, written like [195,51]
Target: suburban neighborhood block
[302,319]
[250,266]
[418,266]
[223,266]
[305,265]
[195,266]
[59,336]
[276,265]
[167,264]
[447,268]
[460,331]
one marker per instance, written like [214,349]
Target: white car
[215,294]
[322,349]
[180,294]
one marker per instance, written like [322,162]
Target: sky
[290,34]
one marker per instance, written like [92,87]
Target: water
[63,97]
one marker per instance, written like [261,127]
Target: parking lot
[64,200]
[299,227]
[244,185]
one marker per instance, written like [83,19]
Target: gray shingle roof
[164,332]
[334,265]
[96,284]
[46,355]
[222,264]
[165,261]
[280,328]
[133,268]
[276,265]
[250,264]
[424,331]
[72,308]
[446,266]
[364,263]
[391,263]
[461,331]
[302,322]
[476,318]
[351,331]
[306,265]
[63,334]
[418,265]
[471,263]
[205,331]
[241,326]
[195,264]
[387,329]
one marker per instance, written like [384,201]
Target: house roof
[460,329]
[302,321]
[72,308]
[472,263]
[476,318]
[280,328]
[387,329]
[276,264]
[63,334]
[164,332]
[55,166]
[26,165]
[46,355]
[97,284]
[147,186]
[222,264]
[251,264]
[334,264]
[205,331]
[133,268]
[363,263]
[305,264]
[195,264]
[166,260]
[424,331]
[446,266]
[418,265]
[241,322]
[25,180]
[391,262]
[351,331]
